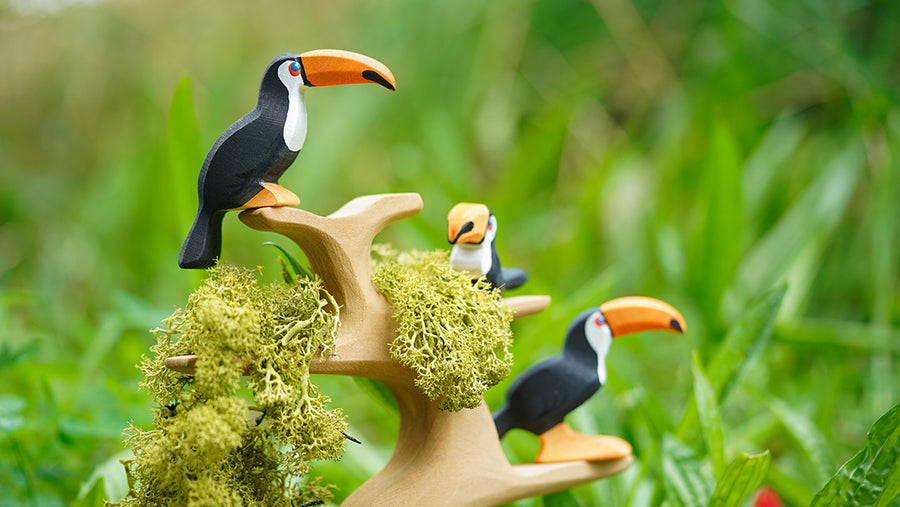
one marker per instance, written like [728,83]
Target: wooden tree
[441,457]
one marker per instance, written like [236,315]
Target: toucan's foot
[562,443]
[272,194]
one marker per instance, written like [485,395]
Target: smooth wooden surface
[441,458]
[524,306]
[455,458]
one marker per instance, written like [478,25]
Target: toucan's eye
[599,321]
[294,68]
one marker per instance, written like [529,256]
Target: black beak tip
[675,325]
[375,77]
[468,226]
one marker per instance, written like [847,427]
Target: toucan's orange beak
[326,67]
[467,223]
[633,314]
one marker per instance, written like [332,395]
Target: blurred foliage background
[698,152]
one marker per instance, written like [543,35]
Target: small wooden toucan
[242,169]
[471,229]
[541,396]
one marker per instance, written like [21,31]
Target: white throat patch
[599,337]
[295,121]
[472,259]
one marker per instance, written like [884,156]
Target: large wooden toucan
[242,169]
[541,396]
[471,229]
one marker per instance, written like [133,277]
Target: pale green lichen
[454,334]
[205,448]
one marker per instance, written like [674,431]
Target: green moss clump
[453,333]
[207,447]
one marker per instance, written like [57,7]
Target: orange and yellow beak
[467,223]
[633,314]
[327,67]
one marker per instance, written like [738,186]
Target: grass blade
[844,334]
[10,417]
[110,477]
[767,159]
[710,420]
[684,483]
[883,276]
[872,477]
[560,499]
[378,392]
[811,440]
[812,218]
[743,344]
[295,265]
[721,237]
[93,497]
[185,156]
[743,476]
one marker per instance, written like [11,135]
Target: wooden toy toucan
[540,397]
[471,229]
[242,169]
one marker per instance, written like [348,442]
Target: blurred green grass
[697,152]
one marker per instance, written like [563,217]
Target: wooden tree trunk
[441,457]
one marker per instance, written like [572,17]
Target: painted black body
[504,278]
[541,396]
[248,153]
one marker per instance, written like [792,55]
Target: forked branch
[441,457]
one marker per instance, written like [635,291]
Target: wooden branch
[441,457]
[455,458]
[522,306]
[338,249]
